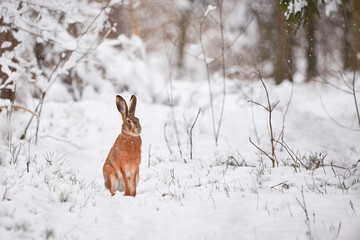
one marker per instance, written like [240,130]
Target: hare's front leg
[129,174]
[134,179]
[126,177]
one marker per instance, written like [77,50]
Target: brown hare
[121,168]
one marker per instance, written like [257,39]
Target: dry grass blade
[22,108]
[303,204]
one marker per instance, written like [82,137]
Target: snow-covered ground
[224,192]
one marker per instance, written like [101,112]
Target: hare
[121,168]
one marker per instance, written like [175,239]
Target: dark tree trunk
[348,53]
[283,60]
[183,26]
[311,70]
[356,29]
[7,35]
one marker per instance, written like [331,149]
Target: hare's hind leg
[110,178]
[137,176]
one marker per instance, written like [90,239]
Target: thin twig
[220,7]
[61,140]
[333,119]
[286,111]
[272,160]
[333,85]
[171,99]
[149,155]
[96,17]
[174,122]
[333,165]
[192,126]
[166,140]
[292,154]
[252,115]
[353,91]
[259,104]
[208,78]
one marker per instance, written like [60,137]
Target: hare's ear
[121,106]
[132,105]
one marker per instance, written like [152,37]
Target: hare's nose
[138,131]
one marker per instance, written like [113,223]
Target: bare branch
[342,74]
[285,113]
[272,159]
[333,119]
[96,17]
[259,104]
[333,85]
[269,109]
[61,140]
[274,106]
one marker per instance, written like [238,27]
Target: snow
[5,44]
[298,5]
[295,6]
[331,6]
[209,9]
[54,188]
[209,197]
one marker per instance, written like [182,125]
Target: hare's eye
[128,121]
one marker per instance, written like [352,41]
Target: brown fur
[122,164]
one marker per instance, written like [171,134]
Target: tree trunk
[134,20]
[348,53]
[311,71]
[283,60]
[183,26]
[7,35]
[356,30]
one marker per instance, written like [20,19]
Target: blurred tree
[348,60]
[356,29]
[183,24]
[7,44]
[282,43]
[134,19]
[351,28]
[304,16]
[311,58]
[305,11]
